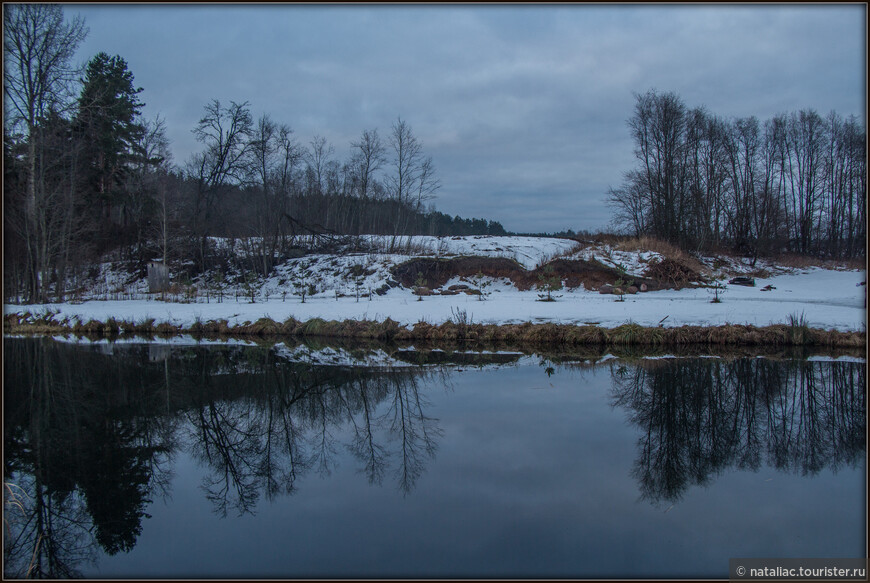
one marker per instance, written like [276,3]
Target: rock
[472,292]
[631,289]
[643,287]
[449,292]
[422,291]
[458,286]
[605,289]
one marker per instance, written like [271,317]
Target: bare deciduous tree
[39,81]
[225,132]
[794,183]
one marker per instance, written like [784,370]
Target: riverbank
[797,332]
[486,288]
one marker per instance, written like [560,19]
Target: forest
[85,174]
[795,183]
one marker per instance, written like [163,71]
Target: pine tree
[108,119]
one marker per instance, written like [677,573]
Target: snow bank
[825,298]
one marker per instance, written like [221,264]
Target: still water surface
[150,460]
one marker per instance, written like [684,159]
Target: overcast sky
[522,108]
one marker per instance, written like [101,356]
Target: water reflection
[84,454]
[279,421]
[697,417]
[89,436]
[91,432]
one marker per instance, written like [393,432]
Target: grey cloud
[522,108]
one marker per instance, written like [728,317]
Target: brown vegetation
[672,273]
[795,333]
[573,272]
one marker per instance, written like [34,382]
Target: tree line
[794,183]
[85,174]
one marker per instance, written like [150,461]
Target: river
[152,459]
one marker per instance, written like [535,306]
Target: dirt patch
[573,272]
[436,272]
[589,274]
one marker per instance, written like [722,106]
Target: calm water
[149,460]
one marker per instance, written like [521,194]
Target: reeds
[796,332]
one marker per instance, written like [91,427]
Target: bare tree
[148,192]
[658,128]
[804,150]
[290,153]
[742,147]
[368,158]
[38,82]
[37,73]
[407,154]
[427,184]
[630,203]
[266,176]
[318,157]
[225,133]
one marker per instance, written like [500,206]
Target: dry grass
[667,250]
[803,262]
[651,244]
[794,333]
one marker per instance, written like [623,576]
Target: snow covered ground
[827,299]
[830,299]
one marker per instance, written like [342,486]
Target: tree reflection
[81,458]
[89,432]
[292,418]
[698,417]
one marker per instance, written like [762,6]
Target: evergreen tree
[108,119]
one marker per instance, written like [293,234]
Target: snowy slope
[826,298]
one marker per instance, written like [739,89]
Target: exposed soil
[573,272]
[436,272]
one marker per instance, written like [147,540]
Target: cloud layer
[522,108]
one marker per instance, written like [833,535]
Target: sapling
[718,289]
[481,283]
[622,284]
[249,284]
[549,282]
[358,279]
[618,290]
